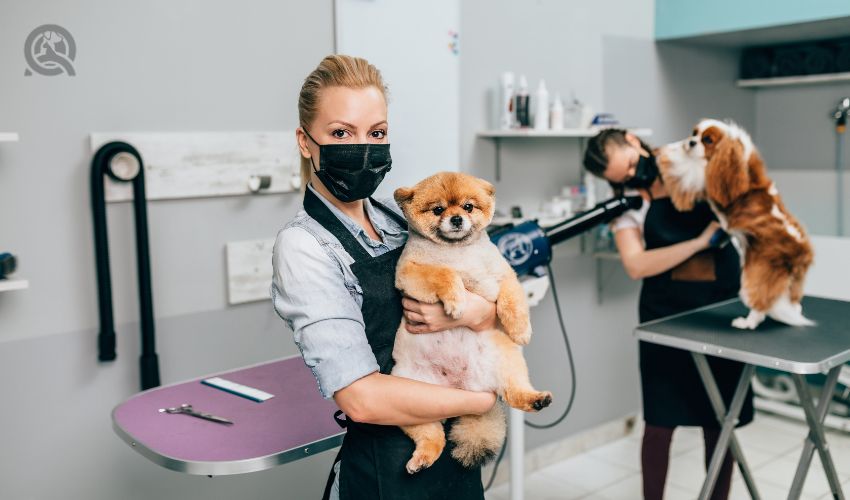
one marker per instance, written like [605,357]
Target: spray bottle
[506,107]
[556,116]
[541,107]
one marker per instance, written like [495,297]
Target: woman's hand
[479,314]
[704,238]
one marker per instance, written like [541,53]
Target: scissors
[187,409]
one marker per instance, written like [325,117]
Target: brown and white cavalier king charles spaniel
[719,163]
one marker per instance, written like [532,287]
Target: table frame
[815,411]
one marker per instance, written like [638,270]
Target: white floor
[771,445]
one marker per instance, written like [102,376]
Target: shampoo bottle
[506,101]
[521,107]
[541,107]
[556,116]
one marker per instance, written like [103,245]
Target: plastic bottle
[541,107]
[521,107]
[585,116]
[556,116]
[506,101]
[589,191]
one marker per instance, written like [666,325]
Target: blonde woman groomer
[333,284]
[671,252]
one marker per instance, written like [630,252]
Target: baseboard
[555,452]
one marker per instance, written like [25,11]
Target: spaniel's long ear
[727,177]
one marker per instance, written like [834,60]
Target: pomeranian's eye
[707,140]
[438,210]
[468,207]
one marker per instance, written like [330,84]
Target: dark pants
[655,458]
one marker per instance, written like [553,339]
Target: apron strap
[342,422]
[394,216]
[316,209]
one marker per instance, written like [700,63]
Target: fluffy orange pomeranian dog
[448,250]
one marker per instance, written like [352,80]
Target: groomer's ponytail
[334,71]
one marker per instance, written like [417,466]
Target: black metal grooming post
[122,162]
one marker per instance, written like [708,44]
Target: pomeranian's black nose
[456,220]
[692,143]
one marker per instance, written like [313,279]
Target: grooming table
[797,350]
[295,423]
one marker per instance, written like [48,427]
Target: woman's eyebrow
[345,124]
[351,125]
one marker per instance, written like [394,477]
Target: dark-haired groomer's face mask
[646,172]
[352,171]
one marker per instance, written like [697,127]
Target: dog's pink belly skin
[459,358]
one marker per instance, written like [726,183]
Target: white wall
[409,42]
[829,275]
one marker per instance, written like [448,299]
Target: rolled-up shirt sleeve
[310,293]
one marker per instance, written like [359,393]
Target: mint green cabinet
[676,19]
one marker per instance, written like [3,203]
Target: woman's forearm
[389,400]
[645,263]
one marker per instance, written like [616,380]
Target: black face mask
[352,171]
[645,173]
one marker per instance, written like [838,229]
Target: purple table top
[295,423]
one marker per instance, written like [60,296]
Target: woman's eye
[468,207]
[438,210]
[707,140]
[379,134]
[339,133]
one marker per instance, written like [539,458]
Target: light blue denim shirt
[317,295]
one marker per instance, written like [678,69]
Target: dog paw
[523,337]
[531,401]
[421,460]
[544,400]
[743,323]
[454,308]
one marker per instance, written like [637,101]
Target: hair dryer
[528,246]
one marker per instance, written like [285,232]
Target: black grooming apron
[673,393]
[373,457]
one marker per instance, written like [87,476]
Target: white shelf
[793,80]
[7,285]
[567,132]
[9,137]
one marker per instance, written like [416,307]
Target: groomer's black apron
[673,393]
[373,457]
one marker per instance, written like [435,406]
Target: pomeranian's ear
[403,196]
[487,187]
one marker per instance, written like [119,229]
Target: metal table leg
[816,438]
[728,420]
